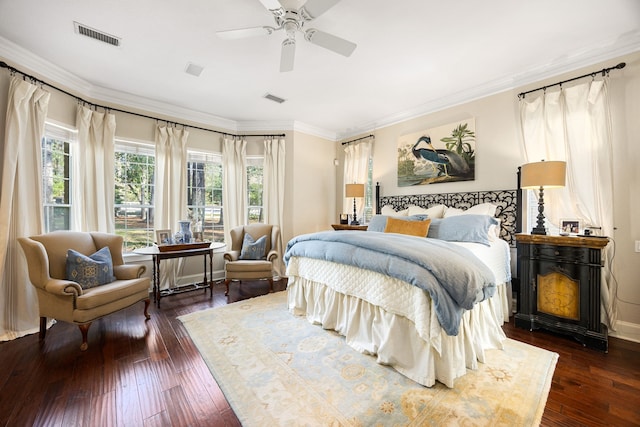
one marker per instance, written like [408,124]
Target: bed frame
[507,202]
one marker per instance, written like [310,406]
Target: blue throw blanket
[454,277]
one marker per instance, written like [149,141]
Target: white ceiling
[413,56]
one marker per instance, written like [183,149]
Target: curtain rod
[37,80]
[354,140]
[604,72]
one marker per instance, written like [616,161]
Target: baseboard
[626,331]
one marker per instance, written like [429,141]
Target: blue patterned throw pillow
[90,271]
[253,249]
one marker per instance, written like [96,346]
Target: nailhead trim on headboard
[505,200]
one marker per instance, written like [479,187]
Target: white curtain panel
[234,184]
[94,181]
[273,190]
[356,170]
[20,205]
[574,125]
[170,189]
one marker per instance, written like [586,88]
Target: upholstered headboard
[505,200]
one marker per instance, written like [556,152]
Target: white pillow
[494,231]
[389,211]
[452,212]
[481,209]
[436,211]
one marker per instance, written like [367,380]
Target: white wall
[312,185]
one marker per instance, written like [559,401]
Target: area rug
[278,369]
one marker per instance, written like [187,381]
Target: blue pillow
[253,249]
[462,228]
[90,271]
[379,222]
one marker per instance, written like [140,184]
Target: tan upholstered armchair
[66,300]
[240,269]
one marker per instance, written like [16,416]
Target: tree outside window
[204,195]
[56,178]
[255,169]
[134,199]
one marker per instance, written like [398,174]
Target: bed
[340,280]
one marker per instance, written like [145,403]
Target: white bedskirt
[394,320]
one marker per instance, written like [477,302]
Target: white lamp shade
[543,174]
[354,190]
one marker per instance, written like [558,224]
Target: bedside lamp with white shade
[541,175]
[354,190]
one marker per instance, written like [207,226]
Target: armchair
[65,299]
[238,269]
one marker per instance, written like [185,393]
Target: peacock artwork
[442,154]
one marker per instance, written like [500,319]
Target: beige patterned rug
[278,369]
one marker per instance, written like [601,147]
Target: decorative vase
[185,229]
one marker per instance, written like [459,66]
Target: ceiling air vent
[96,34]
[274,98]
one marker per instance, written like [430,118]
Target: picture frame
[344,218]
[570,226]
[163,237]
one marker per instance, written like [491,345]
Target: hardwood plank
[179,407]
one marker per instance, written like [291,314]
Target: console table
[338,227]
[158,256]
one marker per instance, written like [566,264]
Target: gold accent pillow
[413,228]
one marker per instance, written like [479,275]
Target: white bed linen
[396,321]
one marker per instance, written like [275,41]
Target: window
[531,197]
[134,186]
[255,170]
[369,196]
[204,194]
[56,177]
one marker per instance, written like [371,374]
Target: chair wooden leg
[270,284]
[43,328]
[84,329]
[146,308]
[226,283]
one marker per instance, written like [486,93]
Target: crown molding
[41,68]
[605,51]
[22,58]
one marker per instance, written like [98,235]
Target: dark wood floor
[138,373]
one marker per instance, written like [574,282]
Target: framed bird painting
[442,154]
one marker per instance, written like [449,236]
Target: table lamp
[354,190]
[543,175]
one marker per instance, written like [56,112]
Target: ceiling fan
[292,19]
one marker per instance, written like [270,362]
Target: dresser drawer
[560,253]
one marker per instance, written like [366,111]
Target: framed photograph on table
[570,226]
[163,237]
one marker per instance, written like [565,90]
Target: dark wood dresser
[560,286]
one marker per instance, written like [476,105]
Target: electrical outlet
[637,245]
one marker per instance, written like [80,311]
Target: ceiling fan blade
[273,6]
[288,55]
[314,8]
[329,41]
[242,33]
